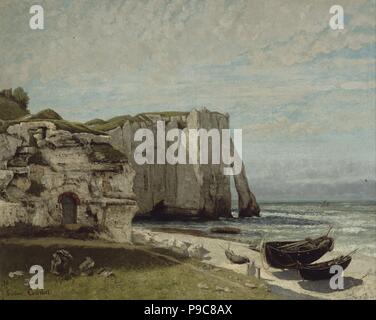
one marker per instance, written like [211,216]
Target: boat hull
[321,271]
[287,259]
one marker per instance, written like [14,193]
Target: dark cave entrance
[69,203]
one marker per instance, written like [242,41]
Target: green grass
[73,127]
[47,114]
[106,153]
[140,273]
[13,114]
[113,123]
[167,113]
[11,110]
[119,121]
[94,122]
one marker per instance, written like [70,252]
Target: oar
[228,247]
[330,228]
[352,252]
[292,245]
[299,243]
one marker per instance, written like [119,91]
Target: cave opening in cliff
[69,203]
[159,209]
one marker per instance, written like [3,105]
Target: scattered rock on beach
[250,285]
[203,286]
[142,236]
[16,274]
[87,267]
[178,247]
[221,289]
[105,273]
[197,251]
[61,263]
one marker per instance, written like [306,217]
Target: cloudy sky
[303,93]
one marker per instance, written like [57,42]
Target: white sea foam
[354,225]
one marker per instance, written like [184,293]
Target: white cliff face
[39,164]
[247,204]
[214,186]
[183,190]
[42,166]
[177,190]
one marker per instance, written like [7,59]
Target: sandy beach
[359,280]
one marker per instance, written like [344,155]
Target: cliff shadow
[22,255]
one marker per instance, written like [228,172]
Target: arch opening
[69,202]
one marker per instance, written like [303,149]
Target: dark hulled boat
[288,254]
[234,258]
[321,271]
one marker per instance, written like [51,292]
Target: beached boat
[227,230]
[321,271]
[234,258]
[288,254]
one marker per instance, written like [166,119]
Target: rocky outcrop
[247,205]
[201,191]
[50,176]
[40,165]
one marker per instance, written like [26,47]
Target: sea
[353,224]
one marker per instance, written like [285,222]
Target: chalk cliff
[182,190]
[50,177]
[53,172]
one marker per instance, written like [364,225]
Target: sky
[303,94]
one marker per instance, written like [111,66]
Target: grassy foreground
[140,273]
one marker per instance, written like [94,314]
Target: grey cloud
[275,66]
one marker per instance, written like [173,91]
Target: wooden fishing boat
[234,258]
[321,271]
[227,230]
[288,254]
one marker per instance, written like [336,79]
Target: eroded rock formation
[247,205]
[41,167]
[186,190]
[51,175]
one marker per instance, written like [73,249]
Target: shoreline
[359,279]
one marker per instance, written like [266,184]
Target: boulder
[197,251]
[178,247]
[87,267]
[16,274]
[105,273]
[61,263]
